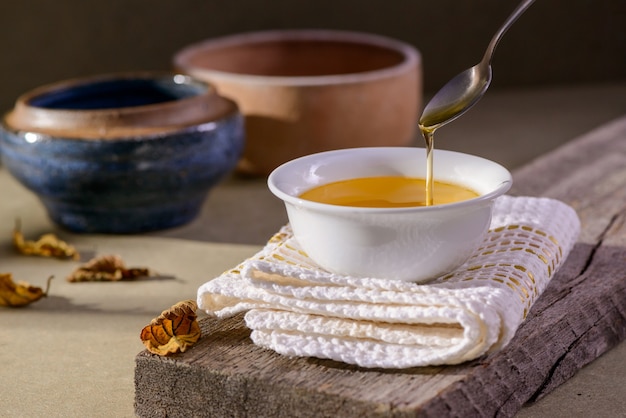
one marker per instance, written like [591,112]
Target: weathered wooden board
[581,315]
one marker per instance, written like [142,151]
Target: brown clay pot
[306,91]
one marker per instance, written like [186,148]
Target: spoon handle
[521,8]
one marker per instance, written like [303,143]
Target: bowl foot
[123,220]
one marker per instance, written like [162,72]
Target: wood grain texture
[581,315]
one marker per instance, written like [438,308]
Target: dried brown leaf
[48,245]
[16,295]
[176,329]
[106,268]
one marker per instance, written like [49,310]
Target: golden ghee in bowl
[386,192]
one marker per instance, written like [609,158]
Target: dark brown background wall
[555,42]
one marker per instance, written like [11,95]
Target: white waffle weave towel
[298,309]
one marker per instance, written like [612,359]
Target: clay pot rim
[122,122]
[411,56]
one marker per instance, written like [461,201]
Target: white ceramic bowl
[411,244]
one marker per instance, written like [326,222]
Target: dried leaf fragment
[16,295]
[176,329]
[48,245]
[106,268]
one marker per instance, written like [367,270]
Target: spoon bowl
[456,97]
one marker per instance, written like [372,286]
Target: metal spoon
[466,88]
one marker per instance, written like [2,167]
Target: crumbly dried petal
[16,295]
[176,329]
[48,245]
[106,268]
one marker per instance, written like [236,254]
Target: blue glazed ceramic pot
[122,153]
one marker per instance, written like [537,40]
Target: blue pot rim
[119,122]
[32,136]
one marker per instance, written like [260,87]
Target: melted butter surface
[387,192]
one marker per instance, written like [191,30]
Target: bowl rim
[502,188]
[116,123]
[411,56]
